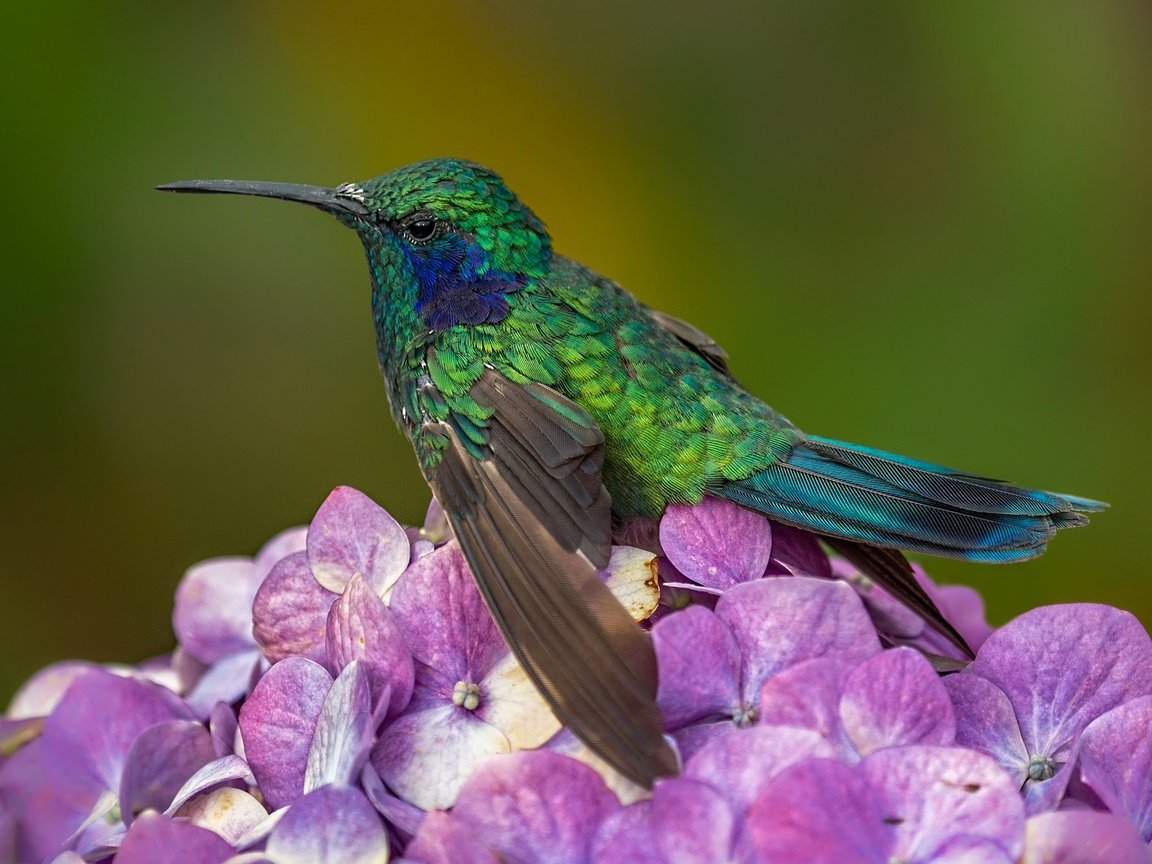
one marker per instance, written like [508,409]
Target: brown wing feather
[533,521]
[892,571]
[694,338]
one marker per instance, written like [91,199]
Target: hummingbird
[546,405]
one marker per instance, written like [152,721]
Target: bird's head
[444,237]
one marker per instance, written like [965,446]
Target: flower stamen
[466,695]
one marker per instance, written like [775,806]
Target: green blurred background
[922,226]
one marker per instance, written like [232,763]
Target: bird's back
[675,425]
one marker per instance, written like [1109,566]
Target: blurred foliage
[922,226]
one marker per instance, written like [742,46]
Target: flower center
[745,716]
[466,695]
[1041,767]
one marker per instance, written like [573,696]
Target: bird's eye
[420,227]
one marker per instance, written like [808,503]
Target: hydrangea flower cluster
[344,697]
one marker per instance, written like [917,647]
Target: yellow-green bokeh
[921,226]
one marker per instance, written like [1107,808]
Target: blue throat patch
[457,286]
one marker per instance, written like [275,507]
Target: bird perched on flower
[546,404]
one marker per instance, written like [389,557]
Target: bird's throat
[458,285]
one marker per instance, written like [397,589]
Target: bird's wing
[695,338]
[520,482]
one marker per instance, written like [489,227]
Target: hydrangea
[343,696]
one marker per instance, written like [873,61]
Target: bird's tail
[859,498]
[869,496]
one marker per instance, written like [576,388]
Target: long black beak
[342,199]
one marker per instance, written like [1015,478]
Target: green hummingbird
[546,404]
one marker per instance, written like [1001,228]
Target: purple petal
[699,664]
[436,529]
[345,731]
[291,610]
[971,850]
[352,534]
[716,543]
[692,823]
[46,804]
[819,811]
[187,669]
[420,548]
[222,770]
[224,726]
[404,817]
[780,621]
[156,839]
[1082,837]
[807,696]
[1116,761]
[333,825]
[945,793]
[691,739]
[896,698]
[447,625]
[627,835]
[277,723]
[797,553]
[360,627]
[426,756]
[686,822]
[160,761]
[39,695]
[444,840]
[888,614]
[567,744]
[986,722]
[226,681]
[95,724]
[159,669]
[535,805]
[1064,666]
[964,607]
[257,837]
[740,761]
[279,547]
[213,613]
[904,803]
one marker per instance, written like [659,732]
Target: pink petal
[360,627]
[213,613]
[333,825]
[1082,837]
[157,839]
[425,757]
[780,621]
[716,543]
[278,721]
[352,534]
[896,698]
[291,610]
[160,761]
[345,731]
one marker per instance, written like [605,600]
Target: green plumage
[543,400]
[674,426]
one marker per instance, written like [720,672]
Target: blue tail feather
[867,495]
